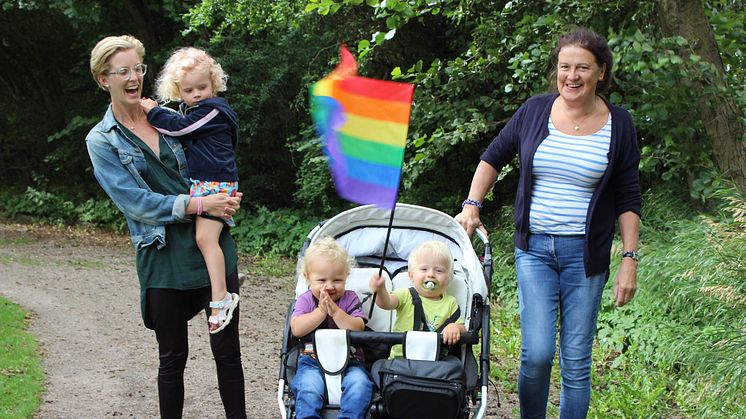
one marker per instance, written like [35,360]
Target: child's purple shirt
[349,302]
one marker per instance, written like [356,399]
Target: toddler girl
[327,304]
[208,129]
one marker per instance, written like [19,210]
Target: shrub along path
[81,289]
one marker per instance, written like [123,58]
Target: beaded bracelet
[471,202]
[199,206]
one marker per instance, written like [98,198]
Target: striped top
[567,170]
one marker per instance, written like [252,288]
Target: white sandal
[227,305]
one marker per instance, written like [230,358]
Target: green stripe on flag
[373,152]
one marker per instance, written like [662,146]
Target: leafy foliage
[279,232]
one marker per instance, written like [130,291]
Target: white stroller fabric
[362,231]
[421,346]
[332,349]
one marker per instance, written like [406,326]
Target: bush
[278,232]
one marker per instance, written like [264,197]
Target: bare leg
[208,235]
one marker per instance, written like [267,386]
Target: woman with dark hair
[579,173]
[145,174]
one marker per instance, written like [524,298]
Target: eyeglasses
[125,73]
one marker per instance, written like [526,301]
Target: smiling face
[429,274]
[194,86]
[578,73]
[123,92]
[326,274]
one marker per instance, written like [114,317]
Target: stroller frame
[361,230]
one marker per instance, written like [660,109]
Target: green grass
[21,375]
[270,265]
[86,263]
[20,241]
[24,260]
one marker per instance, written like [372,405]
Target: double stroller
[411,388]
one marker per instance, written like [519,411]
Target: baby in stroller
[327,305]
[430,270]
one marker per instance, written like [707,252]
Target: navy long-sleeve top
[617,192]
[208,130]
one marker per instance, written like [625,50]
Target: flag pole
[383,257]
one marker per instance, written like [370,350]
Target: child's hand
[329,306]
[451,334]
[375,283]
[148,103]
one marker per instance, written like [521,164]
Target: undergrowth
[679,349]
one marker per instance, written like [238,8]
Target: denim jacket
[117,166]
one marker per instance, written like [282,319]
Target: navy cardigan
[617,192]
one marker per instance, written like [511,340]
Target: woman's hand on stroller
[452,333]
[469,220]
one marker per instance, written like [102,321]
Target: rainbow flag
[363,126]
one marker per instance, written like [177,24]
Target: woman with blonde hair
[145,174]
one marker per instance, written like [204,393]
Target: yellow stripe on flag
[384,132]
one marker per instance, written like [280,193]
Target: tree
[720,113]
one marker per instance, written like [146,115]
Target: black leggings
[169,310]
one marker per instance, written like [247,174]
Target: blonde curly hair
[326,248]
[182,61]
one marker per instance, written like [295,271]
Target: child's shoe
[223,318]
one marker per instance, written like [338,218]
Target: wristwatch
[631,254]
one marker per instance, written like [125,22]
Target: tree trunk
[720,113]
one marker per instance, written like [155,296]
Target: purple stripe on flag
[365,193]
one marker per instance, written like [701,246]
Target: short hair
[433,248]
[182,61]
[593,43]
[109,46]
[327,248]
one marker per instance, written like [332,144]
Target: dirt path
[81,290]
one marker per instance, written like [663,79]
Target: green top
[179,264]
[436,312]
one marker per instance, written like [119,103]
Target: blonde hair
[109,46]
[182,61]
[326,248]
[433,248]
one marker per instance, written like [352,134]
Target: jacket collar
[108,122]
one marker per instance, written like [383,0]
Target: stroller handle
[468,338]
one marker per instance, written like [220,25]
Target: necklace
[577,125]
[133,121]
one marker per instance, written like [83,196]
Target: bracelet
[199,205]
[471,202]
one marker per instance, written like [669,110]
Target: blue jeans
[308,388]
[552,281]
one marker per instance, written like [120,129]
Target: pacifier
[430,285]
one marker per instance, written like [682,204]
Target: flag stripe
[383,132]
[378,89]
[367,172]
[372,151]
[384,110]
[364,193]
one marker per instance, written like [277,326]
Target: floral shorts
[204,188]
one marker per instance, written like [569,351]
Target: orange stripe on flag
[384,110]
